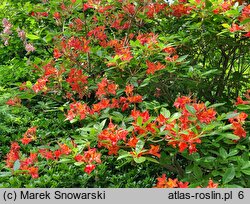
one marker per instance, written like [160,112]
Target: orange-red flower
[78,109]
[153,67]
[29,135]
[40,85]
[163,182]
[13,154]
[16,101]
[33,171]
[110,136]
[89,168]
[105,88]
[235,28]
[180,102]
[211,184]
[154,150]
[77,80]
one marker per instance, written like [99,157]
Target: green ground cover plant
[145,94]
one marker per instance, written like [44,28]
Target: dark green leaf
[197,172]
[229,175]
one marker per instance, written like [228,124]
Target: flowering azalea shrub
[119,85]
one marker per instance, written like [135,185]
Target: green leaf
[5,174]
[139,146]
[102,124]
[117,116]
[139,121]
[212,71]
[226,127]
[229,175]
[152,160]
[209,127]
[175,116]
[182,58]
[246,165]
[230,136]
[232,186]
[243,22]
[16,165]
[209,159]
[190,109]
[231,115]
[243,107]
[165,112]
[232,13]
[223,153]
[48,38]
[216,173]
[246,171]
[208,4]
[32,37]
[29,84]
[233,152]
[65,160]
[124,156]
[145,82]
[140,159]
[216,105]
[165,159]
[79,163]
[197,172]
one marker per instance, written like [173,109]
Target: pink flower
[29,47]
[21,34]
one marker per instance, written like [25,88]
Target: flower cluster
[6,32]
[239,100]
[77,80]
[237,124]
[106,88]
[13,154]
[26,164]
[90,158]
[16,101]
[153,67]
[164,182]
[110,137]
[29,135]
[55,155]
[77,109]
